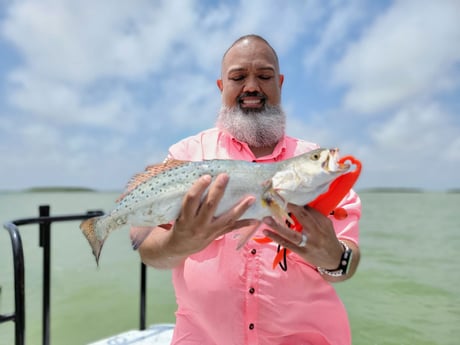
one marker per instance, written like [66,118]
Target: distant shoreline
[392,190]
[58,189]
[404,190]
[69,189]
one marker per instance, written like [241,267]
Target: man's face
[250,77]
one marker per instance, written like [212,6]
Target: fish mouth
[331,163]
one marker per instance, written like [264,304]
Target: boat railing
[45,220]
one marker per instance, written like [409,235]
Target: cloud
[65,104]
[84,41]
[338,20]
[36,154]
[409,52]
[417,146]
[82,63]
[89,63]
[94,91]
[421,127]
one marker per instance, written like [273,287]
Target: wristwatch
[344,266]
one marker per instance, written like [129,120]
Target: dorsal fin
[150,171]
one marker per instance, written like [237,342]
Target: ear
[220,85]
[281,80]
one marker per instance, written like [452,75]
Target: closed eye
[265,77]
[237,78]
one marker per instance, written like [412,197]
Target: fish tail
[88,227]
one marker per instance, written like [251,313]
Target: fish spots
[148,212]
[192,175]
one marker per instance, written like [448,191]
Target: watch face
[347,259]
[345,263]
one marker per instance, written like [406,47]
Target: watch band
[344,265]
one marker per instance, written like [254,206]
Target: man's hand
[322,248]
[196,227]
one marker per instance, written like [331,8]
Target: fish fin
[246,234]
[150,171]
[277,206]
[88,227]
[138,234]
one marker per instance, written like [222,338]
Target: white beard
[256,128]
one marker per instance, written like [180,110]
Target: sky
[93,91]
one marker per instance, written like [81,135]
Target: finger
[300,212]
[243,223]
[246,233]
[291,244]
[230,220]
[211,201]
[295,208]
[305,211]
[192,199]
[280,229]
[282,234]
[311,211]
[230,217]
[308,217]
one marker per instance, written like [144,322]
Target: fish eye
[315,156]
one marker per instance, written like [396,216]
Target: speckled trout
[154,197]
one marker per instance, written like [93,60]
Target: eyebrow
[242,69]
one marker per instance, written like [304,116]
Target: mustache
[252,94]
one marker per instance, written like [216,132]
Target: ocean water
[406,290]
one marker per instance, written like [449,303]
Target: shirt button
[251,326]
[251,290]
[253,252]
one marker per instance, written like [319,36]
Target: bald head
[248,40]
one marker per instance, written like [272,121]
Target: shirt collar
[276,155]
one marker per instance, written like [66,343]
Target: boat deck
[157,334]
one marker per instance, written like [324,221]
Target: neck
[262,151]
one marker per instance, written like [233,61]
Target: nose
[251,85]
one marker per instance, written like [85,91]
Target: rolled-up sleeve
[348,228]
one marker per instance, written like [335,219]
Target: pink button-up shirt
[226,296]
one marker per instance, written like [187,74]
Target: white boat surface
[156,334]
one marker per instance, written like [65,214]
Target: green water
[406,290]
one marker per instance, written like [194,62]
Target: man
[226,296]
